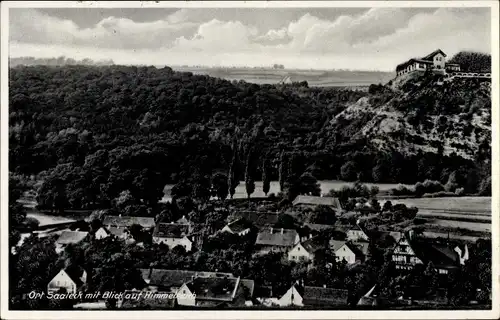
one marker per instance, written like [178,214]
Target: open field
[315,78]
[469,205]
[325,185]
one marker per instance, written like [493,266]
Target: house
[355,233]
[312,202]
[403,255]
[304,251]
[171,280]
[346,251]
[434,61]
[410,252]
[183,220]
[210,292]
[102,233]
[299,295]
[240,227]
[173,234]
[69,237]
[280,240]
[68,280]
[128,221]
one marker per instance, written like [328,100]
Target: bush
[402,190]
[429,186]
[439,194]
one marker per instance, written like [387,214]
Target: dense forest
[91,133]
[472,61]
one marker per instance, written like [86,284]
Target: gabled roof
[440,255]
[68,237]
[276,237]
[175,278]
[220,289]
[432,54]
[117,231]
[249,284]
[75,273]
[312,200]
[183,220]
[171,230]
[311,245]
[336,244]
[363,247]
[320,296]
[239,225]
[127,221]
[403,65]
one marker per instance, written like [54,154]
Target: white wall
[439,61]
[173,242]
[185,297]
[101,234]
[62,280]
[297,253]
[344,253]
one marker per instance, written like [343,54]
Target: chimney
[120,215]
[324,286]
[271,230]
[281,230]
[410,235]
[310,235]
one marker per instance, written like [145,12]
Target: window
[298,248]
[443,271]
[403,248]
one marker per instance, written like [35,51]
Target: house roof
[259,219]
[68,237]
[249,284]
[183,220]
[319,227]
[277,237]
[75,273]
[362,246]
[441,255]
[312,200]
[324,296]
[432,54]
[311,245]
[214,288]
[239,225]
[403,65]
[336,244]
[171,230]
[127,221]
[117,231]
[158,300]
[175,278]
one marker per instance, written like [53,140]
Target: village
[349,243]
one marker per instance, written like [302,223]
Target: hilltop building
[435,61]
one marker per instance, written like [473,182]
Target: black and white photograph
[253,157]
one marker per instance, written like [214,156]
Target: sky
[304,38]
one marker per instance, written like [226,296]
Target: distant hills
[315,78]
[61,61]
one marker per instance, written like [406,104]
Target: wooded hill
[97,131]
